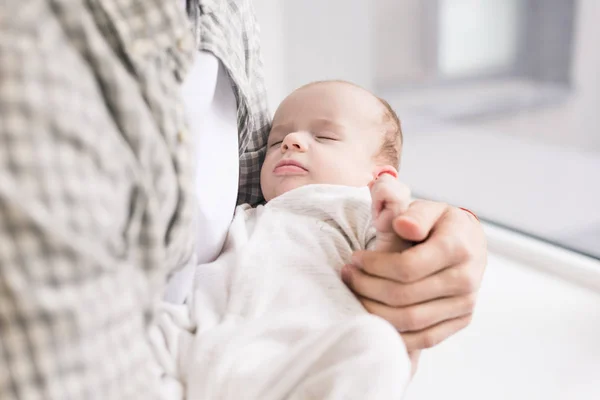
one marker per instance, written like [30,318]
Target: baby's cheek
[265,184]
[336,174]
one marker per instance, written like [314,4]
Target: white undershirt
[212,115]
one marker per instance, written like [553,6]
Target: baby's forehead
[338,88]
[338,99]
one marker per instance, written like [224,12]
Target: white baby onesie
[271,319]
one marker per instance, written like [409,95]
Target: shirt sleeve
[72,315]
[229,29]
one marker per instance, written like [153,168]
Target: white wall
[310,40]
[329,39]
[576,123]
[396,31]
[274,49]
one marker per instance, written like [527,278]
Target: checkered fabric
[96,185]
[228,29]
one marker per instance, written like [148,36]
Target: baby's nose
[295,142]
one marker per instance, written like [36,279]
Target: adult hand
[428,291]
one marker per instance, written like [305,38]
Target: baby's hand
[390,198]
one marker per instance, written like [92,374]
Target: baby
[272,318]
[335,132]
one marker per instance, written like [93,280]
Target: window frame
[537,19]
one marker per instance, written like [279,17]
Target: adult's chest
[136,54]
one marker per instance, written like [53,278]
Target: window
[499,99]
[469,39]
[497,111]
[503,55]
[475,37]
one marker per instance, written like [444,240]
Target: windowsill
[571,266]
[543,190]
[478,99]
[532,336]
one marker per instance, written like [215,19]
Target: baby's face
[323,133]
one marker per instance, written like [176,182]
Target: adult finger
[416,223]
[422,316]
[434,335]
[449,282]
[411,265]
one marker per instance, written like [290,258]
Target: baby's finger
[392,193]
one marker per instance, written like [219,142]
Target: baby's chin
[291,183]
[284,187]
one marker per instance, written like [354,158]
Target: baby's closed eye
[327,136]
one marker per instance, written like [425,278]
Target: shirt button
[185,43]
[182,135]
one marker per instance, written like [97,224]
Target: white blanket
[270,319]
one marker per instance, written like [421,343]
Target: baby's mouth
[290,167]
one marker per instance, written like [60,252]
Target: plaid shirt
[228,29]
[96,185]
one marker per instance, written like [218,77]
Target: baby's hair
[392,140]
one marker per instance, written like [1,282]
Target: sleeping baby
[271,318]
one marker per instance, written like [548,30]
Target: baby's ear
[382,170]
[385,169]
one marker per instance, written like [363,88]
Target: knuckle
[466,250]
[386,191]
[428,340]
[380,192]
[411,320]
[370,261]
[448,244]
[470,282]
[463,280]
[467,320]
[404,274]
[462,323]
[459,248]
[470,302]
[437,205]
[397,296]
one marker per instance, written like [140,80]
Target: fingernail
[356,259]
[407,219]
[346,275]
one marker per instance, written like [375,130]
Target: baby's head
[329,132]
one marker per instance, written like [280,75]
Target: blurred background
[500,106]
[499,99]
